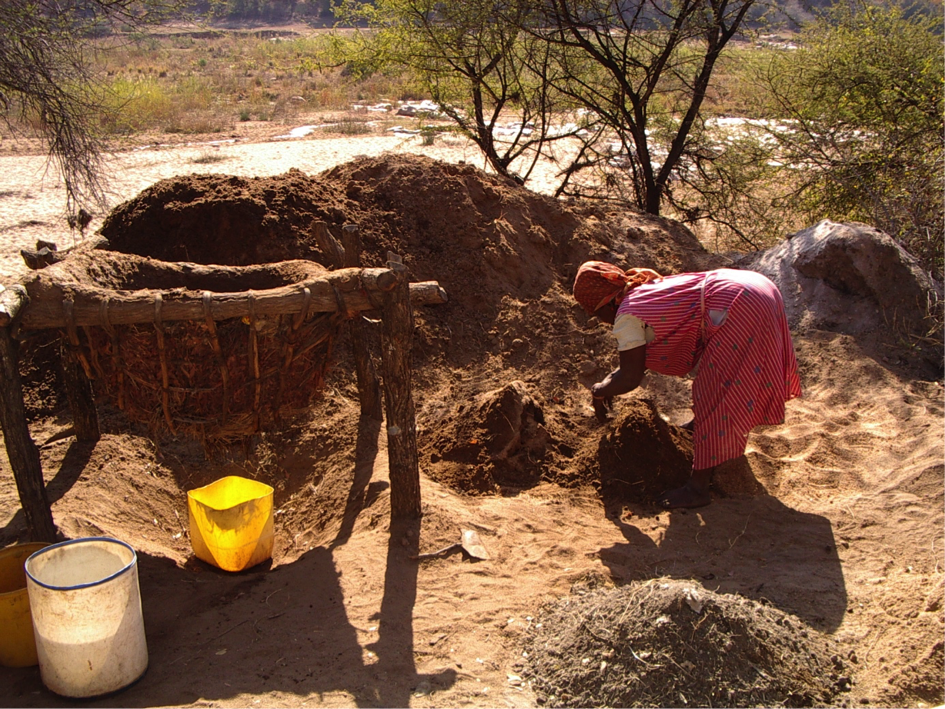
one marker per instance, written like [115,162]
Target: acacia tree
[46,81]
[636,71]
[475,62]
[641,69]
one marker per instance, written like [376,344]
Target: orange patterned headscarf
[597,283]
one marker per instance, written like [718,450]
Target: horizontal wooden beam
[350,288]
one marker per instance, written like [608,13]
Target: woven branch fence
[212,352]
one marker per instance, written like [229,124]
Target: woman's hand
[603,405]
[622,380]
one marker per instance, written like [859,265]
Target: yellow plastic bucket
[231,522]
[17,644]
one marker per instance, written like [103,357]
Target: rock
[853,279]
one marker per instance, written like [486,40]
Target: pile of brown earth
[664,642]
[505,257]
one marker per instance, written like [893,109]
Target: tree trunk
[369,390]
[81,399]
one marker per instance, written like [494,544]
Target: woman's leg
[694,493]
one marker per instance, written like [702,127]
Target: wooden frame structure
[349,287]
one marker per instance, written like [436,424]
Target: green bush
[864,95]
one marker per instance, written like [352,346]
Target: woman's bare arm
[625,378]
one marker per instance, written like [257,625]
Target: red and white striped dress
[746,364]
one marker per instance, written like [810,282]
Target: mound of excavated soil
[231,221]
[498,439]
[664,643]
[642,455]
[502,440]
[505,256]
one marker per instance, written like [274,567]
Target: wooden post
[397,335]
[369,390]
[21,450]
[334,252]
[81,399]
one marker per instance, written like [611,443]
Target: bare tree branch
[46,83]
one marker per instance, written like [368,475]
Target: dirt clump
[504,440]
[497,440]
[666,642]
[642,455]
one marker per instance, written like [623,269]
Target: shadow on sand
[216,636]
[757,548]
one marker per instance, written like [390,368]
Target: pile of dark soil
[665,643]
[498,439]
[502,440]
[642,455]
[506,258]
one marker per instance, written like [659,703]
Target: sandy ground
[846,535]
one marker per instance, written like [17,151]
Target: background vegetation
[205,81]
[47,80]
[864,98]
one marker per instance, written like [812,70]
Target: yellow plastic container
[231,522]
[17,644]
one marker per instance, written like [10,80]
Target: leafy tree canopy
[865,97]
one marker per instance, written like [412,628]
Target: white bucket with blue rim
[87,619]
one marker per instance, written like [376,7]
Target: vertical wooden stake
[397,334]
[369,389]
[328,245]
[81,399]
[21,450]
